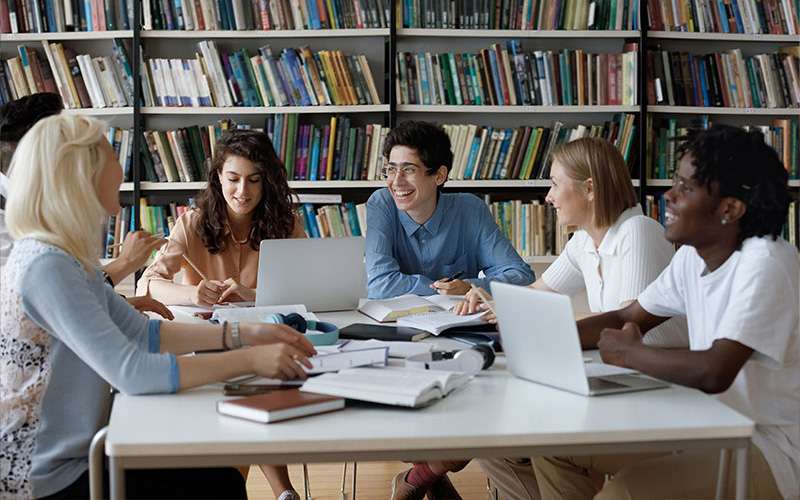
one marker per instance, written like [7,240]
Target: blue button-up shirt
[461,235]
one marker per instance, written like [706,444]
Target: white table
[495,415]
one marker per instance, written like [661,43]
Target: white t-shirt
[632,254]
[753,299]
[5,239]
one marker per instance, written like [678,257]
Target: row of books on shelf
[47,16]
[524,153]
[508,75]
[531,227]
[154,219]
[782,134]
[82,81]
[334,221]
[725,79]
[521,14]
[777,17]
[201,15]
[295,77]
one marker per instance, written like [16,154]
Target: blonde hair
[54,176]
[597,159]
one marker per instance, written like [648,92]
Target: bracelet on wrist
[236,338]
[224,331]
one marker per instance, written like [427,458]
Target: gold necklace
[233,235]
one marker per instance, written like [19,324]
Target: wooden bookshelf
[699,110]
[329,33]
[728,37]
[240,110]
[65,35]
[468,33]
[126,187]
[449,108]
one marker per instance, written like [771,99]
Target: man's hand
[615,344]
[447,286]
[147,303]
[238,291]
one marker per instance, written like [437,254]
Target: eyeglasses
[408,170]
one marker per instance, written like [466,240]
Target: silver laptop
[324,274]
[541,343]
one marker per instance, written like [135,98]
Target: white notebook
[328,360]
[398,386]
[258,314]
[405,305]
[437,322]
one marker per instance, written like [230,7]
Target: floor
[374,481]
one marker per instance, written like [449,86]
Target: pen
[454,277]
[159,235]
[484,298]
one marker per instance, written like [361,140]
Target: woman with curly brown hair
[247,200]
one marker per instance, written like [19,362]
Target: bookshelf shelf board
[731,37]
[234,110]
[539,259]
[128,110]
[337,33]
[126,187]
[67,35]
[462,33]
[195,186]
[668,183]
[794,183]
[699,110]
[423,108]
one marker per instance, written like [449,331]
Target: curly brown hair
[273,217]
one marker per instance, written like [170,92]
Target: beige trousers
[690,475]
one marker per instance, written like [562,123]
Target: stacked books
[656,207]
[531,227]
[338,150]
[522,14]
[22,16]
[294,77]
[524,153]
[777,17]
[265,14]
[725,79]
[334,221]
[506,75]
[782,134]
[82,80]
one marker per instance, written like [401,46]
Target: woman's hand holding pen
[451,285]
[208,292]
[477,300]
[237,292]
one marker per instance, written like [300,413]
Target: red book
[279,405]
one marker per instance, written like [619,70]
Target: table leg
[741,472]
[117,474]
[722,472]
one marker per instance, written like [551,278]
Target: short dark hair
[745,167]
[429,140]
[273,217]
[18,116]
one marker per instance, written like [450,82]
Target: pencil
[191,264]
[484,298]
[115,245]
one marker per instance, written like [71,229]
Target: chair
[342,492]
[96,454]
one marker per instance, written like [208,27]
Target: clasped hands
[210,292]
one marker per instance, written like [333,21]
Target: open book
[405,305]
[391,385]
[333,359]
[437,322]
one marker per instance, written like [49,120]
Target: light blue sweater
[65,337]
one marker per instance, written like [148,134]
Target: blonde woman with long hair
[66,338]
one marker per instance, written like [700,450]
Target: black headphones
[473,360]
[327,333]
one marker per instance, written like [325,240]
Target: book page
[437,322]
[446,302]
[259,314]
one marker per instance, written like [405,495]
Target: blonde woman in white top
[617,250]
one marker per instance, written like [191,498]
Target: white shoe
[289,495]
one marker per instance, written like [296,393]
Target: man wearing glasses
[421,240]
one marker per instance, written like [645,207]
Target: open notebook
[405,305]
[437,322]
[390,385]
